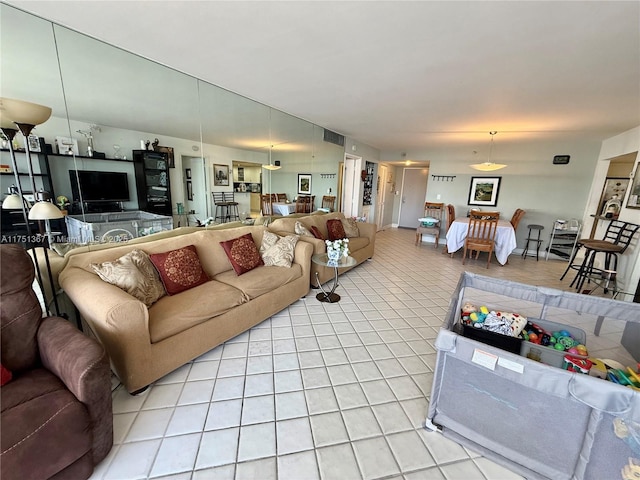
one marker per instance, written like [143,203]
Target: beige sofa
[361,248]
[145,344]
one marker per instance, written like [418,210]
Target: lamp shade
[270,166]
[44,211]
[487,166]
[12,202]
[19,111]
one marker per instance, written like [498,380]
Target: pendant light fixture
[489,166]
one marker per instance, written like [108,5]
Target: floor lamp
[43,209]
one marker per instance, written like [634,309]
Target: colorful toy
[578,365]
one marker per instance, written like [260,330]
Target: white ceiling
[397,75]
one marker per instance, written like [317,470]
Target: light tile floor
[322,391]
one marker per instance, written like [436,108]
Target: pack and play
[541,420]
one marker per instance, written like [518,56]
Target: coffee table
[322,259]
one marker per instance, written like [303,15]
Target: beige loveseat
[361,248]
[145,344]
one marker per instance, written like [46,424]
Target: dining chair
[266,201]
[328,202]
[435,211]
[281,197]
[304,204]
[517,216]
[481,236]
[451,216]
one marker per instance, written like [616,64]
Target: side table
[322,259]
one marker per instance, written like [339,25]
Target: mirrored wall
[108,105]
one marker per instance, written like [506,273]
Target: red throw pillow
[317,233]
[5,375]
[242,253]
[336,229]
[179,269]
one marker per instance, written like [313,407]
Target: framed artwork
[483,191]
[189,191]
[169,152]
[304,183]
[634,195]
[221,175]
[187,173]
[613,186]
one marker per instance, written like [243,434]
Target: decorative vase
[333,256]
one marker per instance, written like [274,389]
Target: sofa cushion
[135,274]
[350,227]
[261,280]
[335,229]
[37,410]
[278,251]
[179,269]
[358,243]
[301,230]
[172,315]
[242,253]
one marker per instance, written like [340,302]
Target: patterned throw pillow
[300,229]
[242,253]
[317,233]
[134,273]
[278,251]
[179,269]
[335,229]
[350,227]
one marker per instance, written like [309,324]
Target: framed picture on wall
[634,194]
[304,183]
[221,175]
[189,191]
[483,191]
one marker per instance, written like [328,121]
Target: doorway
[195,191]
[351,185]
[381,185]
[414,193]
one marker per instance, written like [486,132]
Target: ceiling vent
[333,137]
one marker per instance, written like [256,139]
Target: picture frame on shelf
[220,175]
[34,143]
[304,183]
[634,195]
[483,191]
[169,152]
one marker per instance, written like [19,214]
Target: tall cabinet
[152,181]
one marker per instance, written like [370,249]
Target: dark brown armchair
[56,411]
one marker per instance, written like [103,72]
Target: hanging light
[488,166]
[271,166]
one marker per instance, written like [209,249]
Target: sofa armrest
[368,230]
[83,366]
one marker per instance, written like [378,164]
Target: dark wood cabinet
[152,181]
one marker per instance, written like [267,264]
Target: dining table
[283,208]
[505,241]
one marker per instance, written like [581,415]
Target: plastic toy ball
[564,333]
[566,342]
[574,351]
[533,337]
[559,346]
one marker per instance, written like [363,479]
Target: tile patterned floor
[321,391]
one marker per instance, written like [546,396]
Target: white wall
[629,263]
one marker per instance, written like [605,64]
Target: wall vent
[333,137]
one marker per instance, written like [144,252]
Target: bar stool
[222,207]
[530,239]
[232,206]
[616,240]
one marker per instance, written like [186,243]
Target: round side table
[322,259]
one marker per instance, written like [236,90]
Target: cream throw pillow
[278,251]
[350,227]
[300,229]
[135,274]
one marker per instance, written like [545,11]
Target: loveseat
[361,247]
[145,343]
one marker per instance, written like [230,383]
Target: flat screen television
[99,186]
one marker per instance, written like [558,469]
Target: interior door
[195,192]
[414,193]
[351,185]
